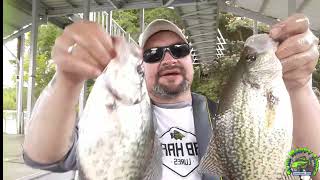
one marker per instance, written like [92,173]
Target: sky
[8,69]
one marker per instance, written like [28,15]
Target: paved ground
[14,167]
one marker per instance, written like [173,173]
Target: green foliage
[129,20]
[45,67]
[90,84]
[47,35]
[208,80]
[237,28]
[163,13]
[316,76]
[211,80]
[233,47]
[10,100]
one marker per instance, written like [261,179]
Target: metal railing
[118,31]
[10,122]
[221,42]
[115,30]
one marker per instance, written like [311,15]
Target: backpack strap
[203,113]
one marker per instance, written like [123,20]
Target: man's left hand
[297,51]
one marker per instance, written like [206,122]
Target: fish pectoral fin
[212,163]
[154,169]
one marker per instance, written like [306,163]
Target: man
[51,137]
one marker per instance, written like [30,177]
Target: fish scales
[116,133]
[253,131]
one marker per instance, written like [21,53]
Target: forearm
[306,120]
[49,133]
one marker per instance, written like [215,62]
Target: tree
[45,68]
[129,19]
[209,80]
[10,100]
[163,13]
[235,28]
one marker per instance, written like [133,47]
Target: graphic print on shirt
[180,151]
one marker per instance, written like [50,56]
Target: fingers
[296,44]
[93,51]
[91,37]
[81,54]
[302,59]
[297,51]
[301,72]
[72,65]
[295,24]
[78,52]
[298,77]
[117,41]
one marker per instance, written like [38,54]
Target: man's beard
[164,91]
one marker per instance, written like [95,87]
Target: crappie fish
[116,132]
[253,131]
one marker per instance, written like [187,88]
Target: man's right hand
[93,51]
[51,128]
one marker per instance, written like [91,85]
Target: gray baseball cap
[160,25]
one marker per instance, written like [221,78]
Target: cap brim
[160,25]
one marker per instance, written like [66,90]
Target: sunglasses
[156,54]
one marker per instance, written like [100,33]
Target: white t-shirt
[175,129]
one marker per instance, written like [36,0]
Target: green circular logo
[302,162]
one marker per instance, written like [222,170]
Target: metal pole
[292,8]
[109,29]
[103,20]
[82,98]
[17,85]
[20,85]
[33,56]
[99,18]
[255,27]
[90,16]
[86,9]
[141,20]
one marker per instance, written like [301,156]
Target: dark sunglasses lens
[180,50]
[152,55]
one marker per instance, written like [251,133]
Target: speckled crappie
[116,133]
[253,131]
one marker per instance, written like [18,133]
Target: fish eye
[251,57]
